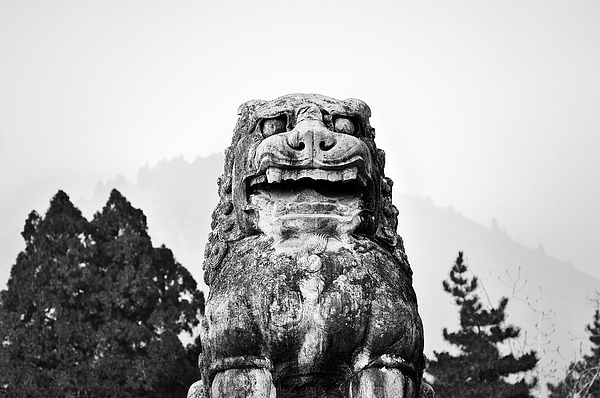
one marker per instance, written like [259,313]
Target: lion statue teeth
[310,289]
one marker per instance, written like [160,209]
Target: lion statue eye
[274,126]
[344,125]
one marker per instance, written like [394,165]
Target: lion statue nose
[311,139]
[310,136]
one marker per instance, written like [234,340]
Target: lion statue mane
[310,288]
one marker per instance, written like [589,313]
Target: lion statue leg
[381,383]
[386,383]
[243,383]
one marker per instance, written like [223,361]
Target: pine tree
[42,342]
[479,369]
[145,297]
[583,377]
[92,309]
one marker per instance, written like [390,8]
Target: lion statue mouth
[295,201]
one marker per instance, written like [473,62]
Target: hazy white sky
[492,107]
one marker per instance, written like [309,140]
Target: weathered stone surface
[196,390]
[310,289]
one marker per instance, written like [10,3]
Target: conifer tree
[44,343]
[479,369]
[583,377]
[92,309]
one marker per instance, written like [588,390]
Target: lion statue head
[303,162]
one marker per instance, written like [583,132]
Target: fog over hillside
[178,198]
[543,290]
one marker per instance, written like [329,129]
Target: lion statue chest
[309,310]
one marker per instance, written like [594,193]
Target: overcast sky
[491,107]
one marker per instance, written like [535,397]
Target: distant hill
[542,289]
[178,198]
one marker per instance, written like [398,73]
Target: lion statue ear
[359,106]
[249,106]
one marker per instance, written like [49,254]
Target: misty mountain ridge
[178,198]
[542,290]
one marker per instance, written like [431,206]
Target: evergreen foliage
[92,309]
[479,369]
[583,377]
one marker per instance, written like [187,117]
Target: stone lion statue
[310,289]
